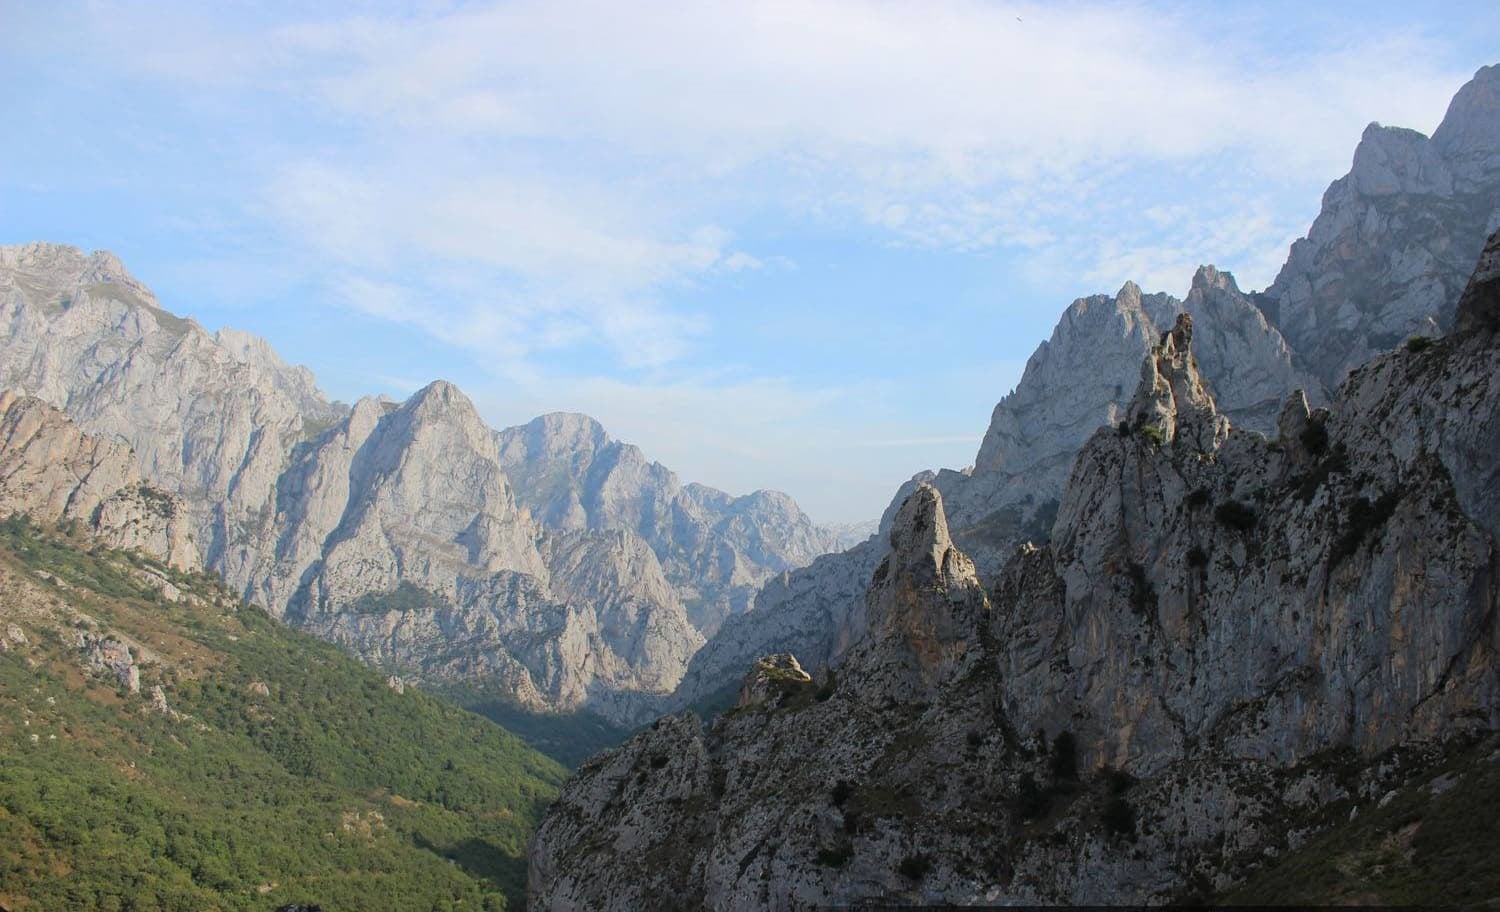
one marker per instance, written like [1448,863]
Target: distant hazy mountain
[715,550]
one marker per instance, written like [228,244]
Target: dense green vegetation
[568,738]
[292,774]
[405,597]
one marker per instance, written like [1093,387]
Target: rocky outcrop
[1198,671]
[771,679]
[52,471]
[103,654]
[924,607]
[715,549]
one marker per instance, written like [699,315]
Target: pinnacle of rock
[1172,398]
[1470,131]
[1294,416]
[1210,277]
[925,601]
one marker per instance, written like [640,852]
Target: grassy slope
[1426,846]
[332,789]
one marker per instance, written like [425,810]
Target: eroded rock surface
[52,471]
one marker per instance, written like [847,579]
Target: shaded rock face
[52,471]
[716,550]
[1479,308]
[1386,259]
[1198,671]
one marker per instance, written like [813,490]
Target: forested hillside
[166,747]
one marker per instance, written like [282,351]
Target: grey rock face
[1216,615]
[113,657]
[818,611]
[207,424]
[52,471]
[924,606]
[1479,308]
[1395,240]
[398,535]
[716,550]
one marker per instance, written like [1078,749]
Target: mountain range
[547,564]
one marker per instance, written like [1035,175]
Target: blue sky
[804,246]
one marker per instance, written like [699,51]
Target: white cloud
[954,90]
[945,121]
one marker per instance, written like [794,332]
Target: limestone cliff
[1393,244]
[52,471]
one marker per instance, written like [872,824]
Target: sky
[789,244]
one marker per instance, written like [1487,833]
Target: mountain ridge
[1228,642]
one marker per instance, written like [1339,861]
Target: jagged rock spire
[1172,398]
[925,600]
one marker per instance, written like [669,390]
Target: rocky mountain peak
[1479,307]
[924,605]
[1392,160]
[1209,278]
[1172,398]
[567,430]
[440,396]
[1470,131]
[442,409]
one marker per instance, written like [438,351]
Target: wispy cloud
[579,196]
[581,150]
